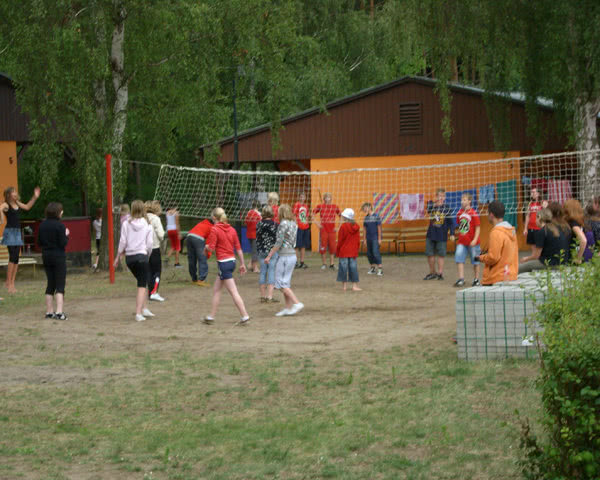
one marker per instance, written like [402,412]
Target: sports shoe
[60,316]
[371,271]
[178,265]
[476,283]
[303,265]
[332,267]
[208,320]
[156,297]
[272,300]
[323,267]
[49,316]
[139,318]
[430,276]
[380,273]
[297,265]
[264,300]
[244,321]
[460,282]
[440,276]
[282,313]
[147,313]
[202,283]
[296,307]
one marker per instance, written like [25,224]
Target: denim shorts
[461,253]
[435,248]
[226,269]
[347,271]
[267,270]
[12,237]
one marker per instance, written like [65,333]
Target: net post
[109,217]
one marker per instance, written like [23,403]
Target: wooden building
[397,124]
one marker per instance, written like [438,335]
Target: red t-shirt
[301,212]
[224,241]
[252,218]
[202,229]
[467,220]
[348,243]
[328,212]
[534,207]
[275,213]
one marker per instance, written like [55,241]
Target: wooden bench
[389,236]
[22,260]
[412,235]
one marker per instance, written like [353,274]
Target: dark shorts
[139,266]
[303,238]
[531,236]
[226,269]
[98,246]
[434,248]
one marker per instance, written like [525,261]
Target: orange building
[397,125]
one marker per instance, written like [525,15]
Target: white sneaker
[139,318]
[380,273]
[296,307]
[323,267]
[283,312]
[147,313]
[156,297]
[371,271]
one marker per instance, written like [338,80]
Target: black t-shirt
[555,250]
[574,238]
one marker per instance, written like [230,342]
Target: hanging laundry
[487,194]
[412,206]
[386,205]
[559,191]
[507,194]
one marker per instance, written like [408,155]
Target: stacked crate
[492,322]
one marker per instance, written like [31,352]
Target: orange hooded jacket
[502,259]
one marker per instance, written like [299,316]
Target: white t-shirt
[97,224]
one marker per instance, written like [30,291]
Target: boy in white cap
[348,245]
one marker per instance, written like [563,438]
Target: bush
[569,379]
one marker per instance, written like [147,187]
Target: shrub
[569,379]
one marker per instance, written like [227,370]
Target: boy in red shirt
[252,218]
[468,240]
[347,250]
[197,258]
[328,213]
[303,235]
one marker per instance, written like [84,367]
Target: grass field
[357,386]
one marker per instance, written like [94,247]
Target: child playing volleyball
[273,202]
[97,224]
[252,218]
[136,245]
[223,240]
[153,210]
[328,211]
[284,246]
[348,245]
[172,217]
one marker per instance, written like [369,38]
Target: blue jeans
[373,252]
[196,257]
[267,271]
[347,270]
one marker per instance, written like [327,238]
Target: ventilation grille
[410,119]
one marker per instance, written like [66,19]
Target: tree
[544,49]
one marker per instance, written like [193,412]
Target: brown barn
[397,124]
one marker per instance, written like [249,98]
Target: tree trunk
[587,139]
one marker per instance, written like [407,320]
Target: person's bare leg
[49,304]
[476,271]
[323,258]
[440,265]
[216,299]
[331,262]
[8,275]
[263,290]
[356,288]
[270,289]
[290,298]
[431,262]
[344,284]
[235,295]
[60,299]
[13,278]
[302,253]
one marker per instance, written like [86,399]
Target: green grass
[388,414]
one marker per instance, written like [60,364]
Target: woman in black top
[9,214]
[574,217]
[53,238]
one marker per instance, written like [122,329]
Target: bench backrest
[3,254]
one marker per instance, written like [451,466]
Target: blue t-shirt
[371,225]
[440,222]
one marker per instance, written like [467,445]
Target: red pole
[109,216]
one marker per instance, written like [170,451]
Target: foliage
[569,379]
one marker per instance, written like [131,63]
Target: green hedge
[569,379]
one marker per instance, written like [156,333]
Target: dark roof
[514,97]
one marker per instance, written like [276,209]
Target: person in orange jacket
[501,262]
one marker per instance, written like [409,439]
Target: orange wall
[8,169]
[353,189]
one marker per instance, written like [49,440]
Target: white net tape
[396,193]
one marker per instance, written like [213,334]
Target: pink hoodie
[136,237]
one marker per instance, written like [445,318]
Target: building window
[410,119]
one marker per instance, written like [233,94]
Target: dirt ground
[396,309]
